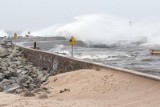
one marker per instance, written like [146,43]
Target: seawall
[34,39]
[45,43]
[61,64]
[53,62]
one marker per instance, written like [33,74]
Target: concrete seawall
[61,64]
[46,45]
[34,39]
[55,63]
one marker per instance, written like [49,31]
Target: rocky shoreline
[17,75]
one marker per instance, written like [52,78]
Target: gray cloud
[38,14]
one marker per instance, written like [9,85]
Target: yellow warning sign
[29,33]
[15,35]
[72,40]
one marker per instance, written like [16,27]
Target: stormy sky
[39,14]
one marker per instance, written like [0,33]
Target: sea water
[132,57]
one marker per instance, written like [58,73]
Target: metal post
[34,45]
[15,41]
[72,51]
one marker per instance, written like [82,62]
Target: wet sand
[92,88]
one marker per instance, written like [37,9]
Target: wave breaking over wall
[103,28]
[107,29]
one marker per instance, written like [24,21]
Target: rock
[23,79]
[19,53]
[1,87]
[25,85]
[18,75]
[24,89]
[19,71]
[43,96]
[37,82]
[6,71]
[14,79]
[11,74]
[24,72]
[18,91]
[37,90]
[12,65]
[2,50]
[32,86]
[55,79]
[17,62]
[1,76]
[28,67]
[9,49]
[40,74]
[20,66]
[28,94]
[44,78]
[65,90]
[6,87]
[41,91]
[1,59]
[4,64]
[27,82]
[61,91]
[4,55]
[4,68]
[44,88]
[6,82]
[13,89]
[33,75]
[13,54]
[19,59]
[10,69]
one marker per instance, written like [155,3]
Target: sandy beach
[92,88]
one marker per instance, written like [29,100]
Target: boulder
[43,96]
[28,94]
[13,89]
[18,75]
[1,76]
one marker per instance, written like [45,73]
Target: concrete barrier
[61,64]
[46,45]
[53,62]
[33,39]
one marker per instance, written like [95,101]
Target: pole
[72,52]
[15,41]
[34,45]
[130,24]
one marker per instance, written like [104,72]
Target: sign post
[15,36]
[72,41]
[28,34]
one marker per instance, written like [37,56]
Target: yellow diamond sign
[72,40]
[15,35]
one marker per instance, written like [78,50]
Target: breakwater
[52,62]
[17,75]
[60,64]
[45,43]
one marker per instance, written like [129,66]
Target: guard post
[35,45]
